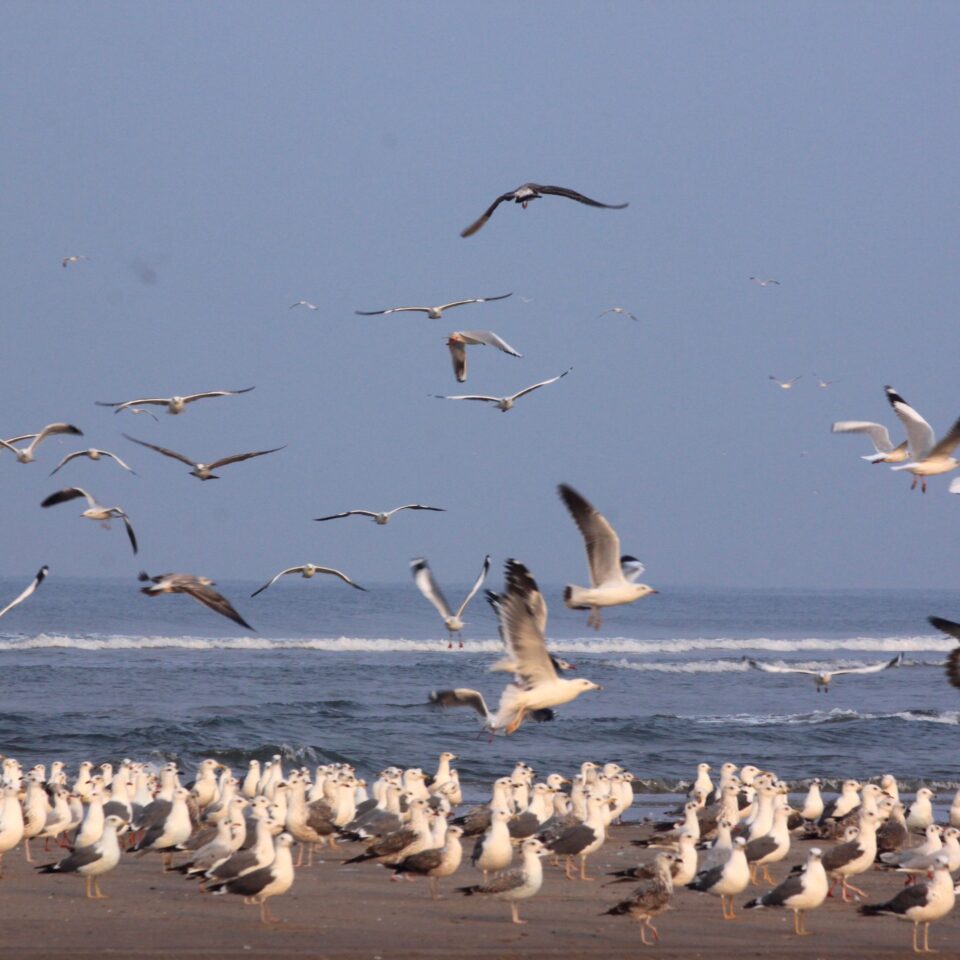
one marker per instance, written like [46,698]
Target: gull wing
[631,568]
[163,450]
[953,659]
[160,401]
[236,458]
[215,601]
[946,626]
[67,459]
[423,578]
[461,697]
[504,882]
[216,393]
[347,513]
[487,214]
[113,456]
[130,533]
[489,339]
[877,432]
[484,570]
[458,354]
[82,857]
[415,506]
[579,197]
[337,573]
[771,668]
[523,638]
[282,573]
[41,575]
[920,434]
[378,313]
[600,539]
[944,447]
[70,493]
[872,668]
[461,303]
[51,430]
[469,397]
[537,386]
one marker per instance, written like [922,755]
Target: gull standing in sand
[37,580]
[727,880]
[380,518]
[307,571]
[94,511]
[434,313]
[516,884]
[203,471]
[200,588]
[506,403]
[92,861]
[536,685]
[26,454]
[423,578]
[174,405]
[930,456]
[258,886]
[533,191]
[460,339]
[784,384]
[799,892]
[609,587]
[822,678]
[649,899]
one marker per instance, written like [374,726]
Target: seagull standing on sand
[92,454]
[174,405]
[460,339]
[423,578]
[822,678]
[532,191]
[258,886]
[434,313]
[930,456]
[92,861]
[609,587]
[799,892]
[37,580]
[380,518]
[727,880]
[203,471]
[26,454]
[506,403]
[307,571]
[517,884]
[94,511]
[649,899]
[200,588]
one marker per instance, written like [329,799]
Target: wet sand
[357,912]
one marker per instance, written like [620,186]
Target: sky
[217,162]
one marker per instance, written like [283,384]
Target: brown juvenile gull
[532,191]
[460,339]
[94,511]
[649,899]
[423,578]
[92,454]
[26,454]
[380,518]
[434,313]
[174,405]
[200,588]
[37,580]
[203,471]
[307,571]
[506,403]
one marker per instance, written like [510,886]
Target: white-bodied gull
[784,384]
[26,454]
[460,339]
[37,580]
[423,578]
[92,454]
[308,570]
[434,313]
[174,405]
[822,678]
[94,511]
[506,403]
[380,518]
[930,456]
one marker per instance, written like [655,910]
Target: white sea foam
[837,715]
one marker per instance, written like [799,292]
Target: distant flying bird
[620,310]
[307,571]
[532,191]
[506,403]
[953,660]
[879,435]
[434,313]
[304,303]
[380,518]
[92,454]
[203,471]
[423,578]
[95,511]
[824,383]
[930,456]
[460,339]
[174,405]
[200,588]
[610,585]
[784,384]
[26,454]
[822,678]
[37,580]
[765,283]
[147,412]
[76,258]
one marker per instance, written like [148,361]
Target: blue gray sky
[218,162]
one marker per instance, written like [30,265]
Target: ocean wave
[585,645]
[837,715]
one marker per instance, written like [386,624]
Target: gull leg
[566,870]
[926,939]
[803,931]
[766,875]
[656,933]
[26,850]
[98,893]
[916,949]
[299,862]
[753,873]
[914,484]
[923,486]
[583,869]
[434,891]
[856,890]
[516,721]
[91,897]
[643,934]
[516,915]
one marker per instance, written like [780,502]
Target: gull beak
[598,687]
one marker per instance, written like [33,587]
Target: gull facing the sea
[307,571]
[200,588]
[434,313]
[460,339]
[822,678]
[380,518]
[506,403]
[203,471]
[26,454]
[423,578]
[94,511]
[174,405]
[37,580]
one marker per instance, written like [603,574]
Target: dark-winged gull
[92,454]
[504,403]
[650,899]
[459,340]
[174,405]
[306,571]
[164,836]
[951,629]
[380,518]
[532,191]
[93,861]
[516,884]
[259,885]
[427,585]
[609,587]
[434,863]
[28,592]
[94,511]
[200,588]
[582,840]
[27,454]
[799,892]
[494,851]
[203,471]
[726,880]
[822,678]
[853,857]
[434,313]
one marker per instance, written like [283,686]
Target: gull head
[642,590]
[583,685]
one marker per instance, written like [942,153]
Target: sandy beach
[353,912]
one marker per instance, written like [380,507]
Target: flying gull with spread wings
[37,580]
[423,578]
[623,311]
[460,339]
[91,454]
[434,313]
[174,405]
[533,191]
[200,588]
[203,471]
[506,403]
[930,456]
[307,571]
[27,454]
[94,511]
[784,384]
[303,303]
[822,678]
[380,518]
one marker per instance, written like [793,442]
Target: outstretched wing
[163,450]
[130,534]
[415,506]
[773,668]
[271,582]
[631,568]
[41,575]
[484,570]
[461,697]
[487,338]
[537,386]
[216,393]
[70,493]
[423,578]
[244,456]
[458,354]
[873,667]
[215,601]
[600,539]
[943,448]
[920,436]
[487,214]
[461,303]
[347,513]
[877,432]
[953,660]
[579,197]
[518,612]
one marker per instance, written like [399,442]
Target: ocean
[92,669]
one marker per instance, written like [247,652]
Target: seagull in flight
[784,384]
[765,283]
[94,511]
[423,578]
[460,339]
[434,313]
[92,454]
[76,258]
[823,384]
[37,580]
[951,629]
[930,456]
[822,678]
[174,405]
[200,588]
[203,471]
[506,403]
[532,191]
[537,686]
[303,303]
[26,454]
[620,310]
[380,518]
[611,584]
[307,571]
